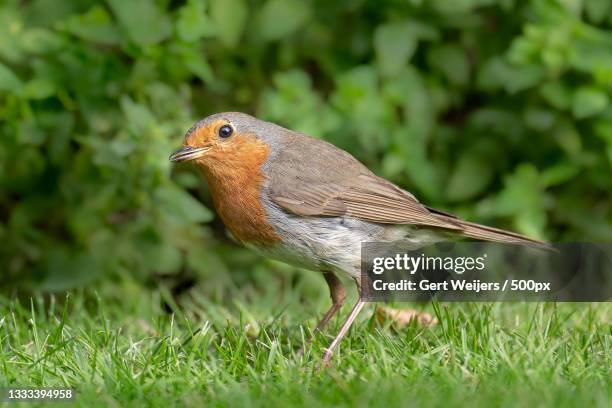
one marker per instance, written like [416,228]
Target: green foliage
[497,110]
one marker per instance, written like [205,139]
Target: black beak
[188,153]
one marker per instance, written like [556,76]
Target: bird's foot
[326,360]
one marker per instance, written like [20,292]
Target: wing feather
[367,197]
[349,189]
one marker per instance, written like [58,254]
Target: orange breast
[236,180]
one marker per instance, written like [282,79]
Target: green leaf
[597,10]
[589,101]
[558,174]
[162,257]
[522,197]
[497,73]
[41,41]
[567,137]
[393,164]
[143,21]
[95,25]
[395,43]
[39,88]
[193,22]
[182,205]
[139,117]
[295,103]
[198,65]
[230,17]
[539,119]
[471,176]
[280,18]
[68,268]
[556,94]
[603,129]
[8,80]
[452,62]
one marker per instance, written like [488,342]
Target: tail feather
[486,233]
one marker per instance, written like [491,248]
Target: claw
[326,360]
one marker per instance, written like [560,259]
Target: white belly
[332,243]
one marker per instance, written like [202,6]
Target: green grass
[118,347]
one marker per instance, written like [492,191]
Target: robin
[306,202]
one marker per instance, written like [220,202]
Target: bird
[306,202]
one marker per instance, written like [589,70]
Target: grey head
[243,123]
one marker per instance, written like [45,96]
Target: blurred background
[498,111]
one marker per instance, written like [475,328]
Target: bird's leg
[345,327]
[338,294]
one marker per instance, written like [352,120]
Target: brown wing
[335,184]
[366,197]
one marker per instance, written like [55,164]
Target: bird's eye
[225,131]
